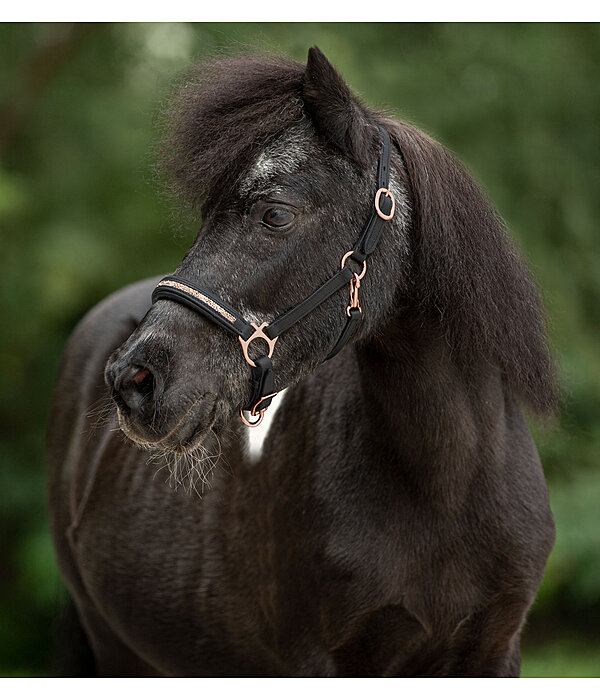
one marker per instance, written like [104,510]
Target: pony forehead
[220,120]
[282,157]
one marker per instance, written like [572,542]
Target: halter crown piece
[208,304]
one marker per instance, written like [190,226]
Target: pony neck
[422,412]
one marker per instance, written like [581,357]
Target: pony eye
[277,218]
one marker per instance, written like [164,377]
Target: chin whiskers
[189,470]
[102,413]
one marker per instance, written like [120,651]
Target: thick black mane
[467,273]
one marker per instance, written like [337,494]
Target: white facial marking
[252,316]
[282,157]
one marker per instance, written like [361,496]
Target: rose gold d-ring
[387,193]
[245,421]
[258,334]
[254,412]
[362,274]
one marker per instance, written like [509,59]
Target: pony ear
[335,111]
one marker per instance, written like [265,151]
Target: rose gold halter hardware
[354,285]
[254,412]
[258,334]
[205,302]
[364,268]
[245,421]
[387,193]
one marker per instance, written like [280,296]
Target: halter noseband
[208,304]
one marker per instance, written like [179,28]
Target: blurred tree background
[80,216]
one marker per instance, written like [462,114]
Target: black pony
[396,519]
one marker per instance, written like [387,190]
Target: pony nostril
[141,376]
[133,388]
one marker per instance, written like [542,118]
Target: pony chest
[137,546]
[417,565]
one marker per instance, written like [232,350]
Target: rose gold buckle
[258,334]
[387,193]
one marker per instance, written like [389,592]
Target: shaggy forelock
[223,115]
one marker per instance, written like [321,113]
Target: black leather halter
[208,304]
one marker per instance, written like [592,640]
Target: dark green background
[80,217]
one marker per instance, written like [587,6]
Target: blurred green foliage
[80,217]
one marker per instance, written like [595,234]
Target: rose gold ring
[245,421]
[364,269]
[387,193]
[253,412]
[258,334]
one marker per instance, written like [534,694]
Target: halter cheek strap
[207,303]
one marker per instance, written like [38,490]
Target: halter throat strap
[205,302]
